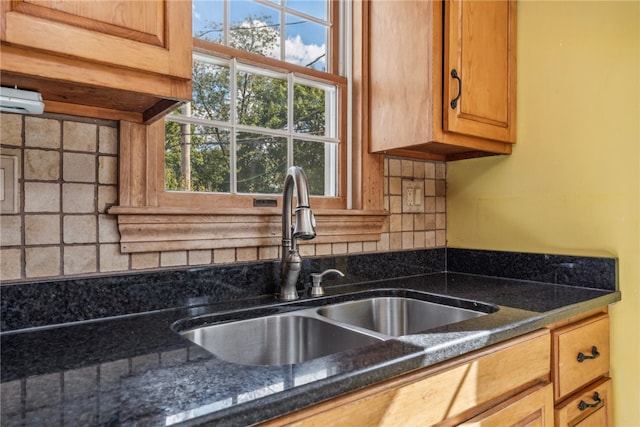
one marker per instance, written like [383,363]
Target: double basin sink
[309,333]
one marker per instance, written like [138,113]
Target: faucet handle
[316,280]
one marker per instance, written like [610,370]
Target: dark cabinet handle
[584,405]
[454,101]
[594,354]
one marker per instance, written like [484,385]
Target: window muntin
[249,122]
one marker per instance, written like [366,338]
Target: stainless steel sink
[311,332]
[396,316]
[276,340]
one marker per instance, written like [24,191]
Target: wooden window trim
[151,219]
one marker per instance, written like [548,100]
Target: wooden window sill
[150,229]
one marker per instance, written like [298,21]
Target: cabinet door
[590,407]
[127,33]
[533,407]
[480,41]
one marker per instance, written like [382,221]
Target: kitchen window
[240,211]
[267,95]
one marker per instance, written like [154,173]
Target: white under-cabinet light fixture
[20,101]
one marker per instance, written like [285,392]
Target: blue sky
[305,40]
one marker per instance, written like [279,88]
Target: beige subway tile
[79,167]
[200,257]
[441,204]
[42,229]
[247,254]
[107,140]
[78,198]
[107,197]
[419,240]
[395,204]
[385,201]
[441,221]
[108,170]
[79,136]
[354,247]
[441,170]
[224,256]
[43,133]
[79,229]
[173,258]
[383,244]
[145,260]
[41,197]
[418,221]
[10,230]
[430,239]
[430,204]
[11,129]
[339,248]
[80,259]
[407,222]
[369,246]
[395,222]
[395,186]
[418,169]
[307,249]
[386,225]
[441,187]
[407,240]
[430,187]
[10,263]
[272,252]
[395,241]
[441,238]
[323,249]
[430,222]
[42,165]
[111,259]
[430,170]
[42,261]
[108,229]
[395,167]
[407,168]
[385,170]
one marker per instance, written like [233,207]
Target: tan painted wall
[571,184]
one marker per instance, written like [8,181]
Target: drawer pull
[584,405]
[594,353]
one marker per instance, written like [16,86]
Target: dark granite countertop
[134,369]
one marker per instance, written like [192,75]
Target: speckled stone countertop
[133,369]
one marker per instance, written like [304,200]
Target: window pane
[315,8]
[196,158]
[319,162]
[261,101]
[211,91]
[261,163]
[313,110]
[207,20]
[254,28]
[306,43]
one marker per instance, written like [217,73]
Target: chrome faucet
[304,228]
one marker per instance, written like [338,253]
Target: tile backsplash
[68,177]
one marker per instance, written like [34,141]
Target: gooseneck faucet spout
[304,228]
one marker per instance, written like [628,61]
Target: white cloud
[299,53]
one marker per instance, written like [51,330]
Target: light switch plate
[9,184]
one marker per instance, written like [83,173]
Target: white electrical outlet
[9,184]
[412,196]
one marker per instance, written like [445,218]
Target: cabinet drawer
[580,354]
[589,407]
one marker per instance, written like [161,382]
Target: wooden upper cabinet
[413,47]
[125,59]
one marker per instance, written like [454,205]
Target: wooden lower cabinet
[506,381]
[532,407]
[591,407]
